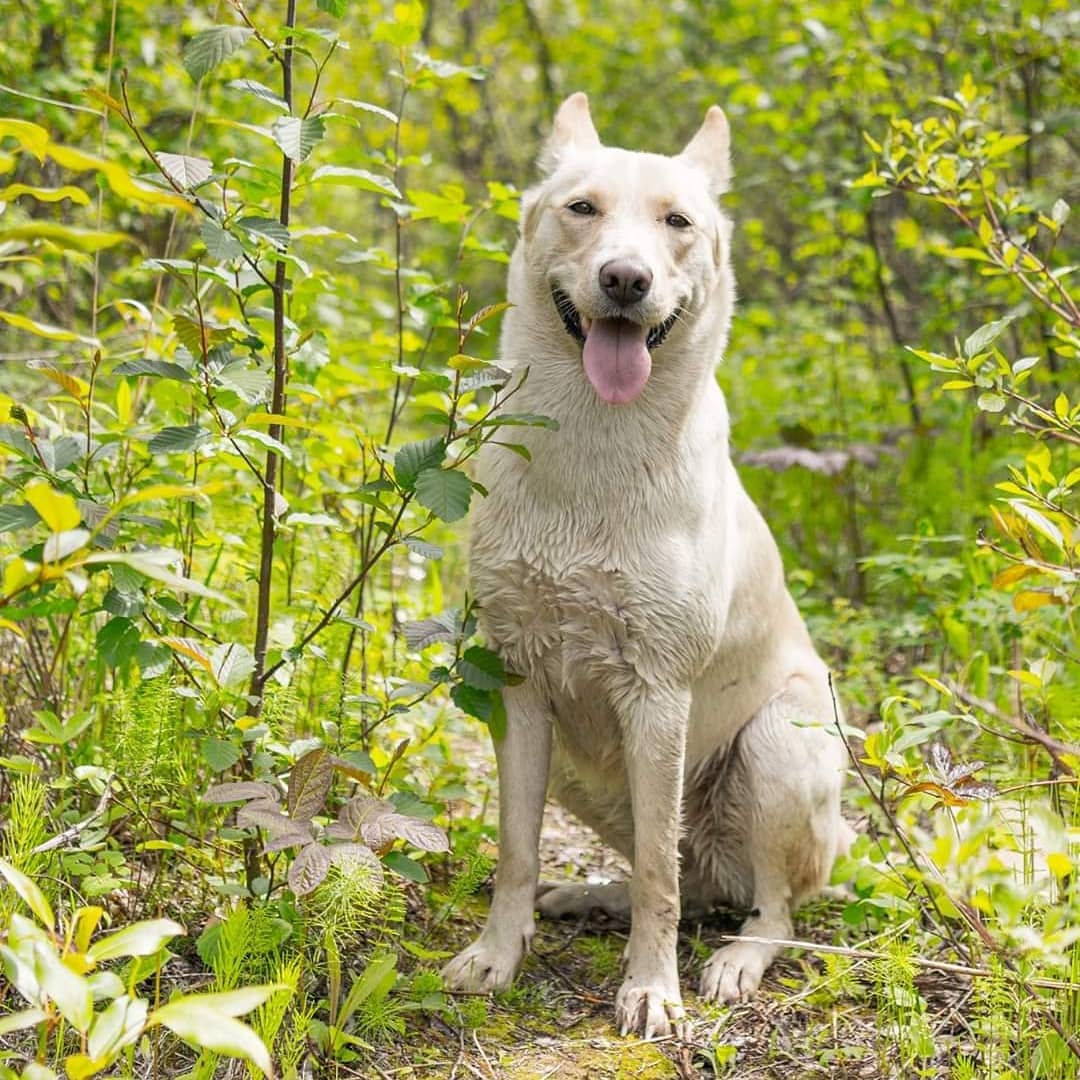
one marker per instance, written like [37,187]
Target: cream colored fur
[671,696]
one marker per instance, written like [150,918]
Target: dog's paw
[734,972]
[483,967]
[652,1010]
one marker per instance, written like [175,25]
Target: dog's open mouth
[616,353]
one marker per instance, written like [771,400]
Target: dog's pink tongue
[617,362]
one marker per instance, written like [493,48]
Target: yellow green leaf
[53,333]
[55,508]
[29,136]
[66,236]
[1059,864]
[15,191]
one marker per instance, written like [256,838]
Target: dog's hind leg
[578,899]
[492,961]
[776,802]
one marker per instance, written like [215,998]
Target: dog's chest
[582,624]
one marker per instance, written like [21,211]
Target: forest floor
[556,1023]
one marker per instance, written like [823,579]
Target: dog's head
[627,244]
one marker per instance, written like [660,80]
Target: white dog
[671,693]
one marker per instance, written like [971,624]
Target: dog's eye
[678,221]
[582,207]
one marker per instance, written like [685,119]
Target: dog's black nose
[625,281]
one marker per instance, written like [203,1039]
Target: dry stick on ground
[874,954]
[73,830]
[970,915]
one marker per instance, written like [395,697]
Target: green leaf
[250,86]
[412,458]
[233,664]
[990,402]
[19,1021]
[357,178]
[68,991]
[208,48]
[298,136]
[986,335]
[139,939]
[337,8]
[117,1026]
[445,492]
[220,754]
[473,702]
[17,517]
[176,440]
[161,368]
[117,641]
[185,171]
[29,893]
[200,1024]
[406,867]
[481,668]
[267,228]
[220,243]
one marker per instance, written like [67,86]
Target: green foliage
[243,382]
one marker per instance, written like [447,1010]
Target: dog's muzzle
[571,319]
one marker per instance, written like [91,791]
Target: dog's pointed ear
[709,150]
[573,130]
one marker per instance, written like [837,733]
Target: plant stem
[273,469]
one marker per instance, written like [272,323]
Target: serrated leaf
[357,178]
[220,243]
[239,791]
[208,48]
[416,456]
[481,668]
[220,754]
[474,702]
[233,664]
[445,492]
[117,641]
[423,548]
[17,517]
[139,939]
[177,439]
[250,86]
[445,627]
[308,869]
[421,834]
[184,170]
[309,784]
[267,228]
[161,368]
[298,136]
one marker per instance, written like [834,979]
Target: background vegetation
[251,263]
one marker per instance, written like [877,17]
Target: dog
[670,694]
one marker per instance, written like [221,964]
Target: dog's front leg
[524,758]
[654,740]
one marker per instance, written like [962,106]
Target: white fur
[671,694]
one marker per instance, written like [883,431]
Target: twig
[1055,748]
[874,954]
[73,830]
